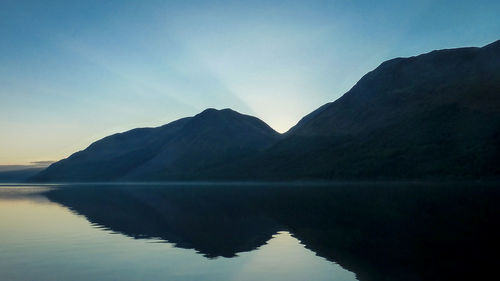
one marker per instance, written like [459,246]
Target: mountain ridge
[359,91]
[435,115]
[120,156]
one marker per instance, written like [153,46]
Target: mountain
[436,115]
[175,151]
[466,78]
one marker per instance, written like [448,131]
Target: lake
[344,231]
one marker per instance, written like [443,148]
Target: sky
[72,72]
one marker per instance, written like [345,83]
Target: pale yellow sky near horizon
[49,151]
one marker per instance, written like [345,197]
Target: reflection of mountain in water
[380,232]
[213,225]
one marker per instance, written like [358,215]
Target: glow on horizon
[72,73]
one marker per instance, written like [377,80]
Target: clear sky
[72,72]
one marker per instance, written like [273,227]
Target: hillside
[432,116]
[173,151]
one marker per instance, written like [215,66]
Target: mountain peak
[212,110]
[211,113]
[188,145]
[228,121]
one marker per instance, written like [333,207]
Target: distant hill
[174,151]
[436,115]
[19,175]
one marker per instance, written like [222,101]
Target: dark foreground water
[250,232]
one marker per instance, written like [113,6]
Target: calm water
[44,240]
[249,232]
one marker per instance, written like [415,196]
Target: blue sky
[72,72]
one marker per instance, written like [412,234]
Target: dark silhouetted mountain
[173,151]
[433,115]
[402,88]
[436,115]
[19,175]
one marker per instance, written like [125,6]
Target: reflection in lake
[269,232]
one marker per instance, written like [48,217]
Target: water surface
[382,231]
[45,240]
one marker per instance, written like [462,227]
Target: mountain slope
[466,77]
[171,151]
[208,139]
[20,175]
[435,115]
